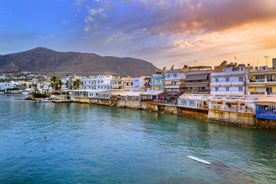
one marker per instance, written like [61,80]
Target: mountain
[47,61]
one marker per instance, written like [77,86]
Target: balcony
[266,114]
[156,83]
[234,83]
[157,77]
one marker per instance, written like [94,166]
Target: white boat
[199,160]
[44,101]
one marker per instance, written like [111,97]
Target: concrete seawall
[240,119]
[234,118]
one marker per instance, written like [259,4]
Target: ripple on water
[95,144]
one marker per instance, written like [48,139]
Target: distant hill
[47,61]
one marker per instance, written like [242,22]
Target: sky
[163,32]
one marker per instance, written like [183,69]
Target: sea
[82,143]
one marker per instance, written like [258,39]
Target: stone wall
[196,113]
[235,118]
[129,104]
[100,101]
[224,117]
[149,106]
[81,100]
[266,124]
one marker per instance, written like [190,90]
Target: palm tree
[77,83]
[55,81]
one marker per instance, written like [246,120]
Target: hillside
[47,61]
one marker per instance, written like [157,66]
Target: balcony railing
[157,77]
[266,114]
[156,83]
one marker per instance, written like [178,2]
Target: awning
[196,85]
[131,93]
[195,96]
[117,92]
[196,77]
[266,100]
[152,93]
[103,92]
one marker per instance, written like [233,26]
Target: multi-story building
[7,85]
[174,81]
[262,81]
[157,82]
[230,80]
[101,82]
[156,91]
[197,79]
[140,83]
[127,83]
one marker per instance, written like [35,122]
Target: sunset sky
[164,32]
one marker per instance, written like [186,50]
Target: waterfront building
[229,80]
[8,84]
[129,99]
[152,96]
[174,82]
[127,83]
[266,112]
[262,81]
[100,82]
[140,83]
[194,101]
[116,83]
[197,80]
[266,108]
[233,103]
[235,109]
[157,82]
[157,86]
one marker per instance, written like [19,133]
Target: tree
[55,82]
[77,83]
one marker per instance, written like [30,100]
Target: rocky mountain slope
[47,61]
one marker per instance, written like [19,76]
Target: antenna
[266,57]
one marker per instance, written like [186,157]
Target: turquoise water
[94,144]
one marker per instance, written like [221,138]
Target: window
[240,88]
[227,88]
[216,79]
[216,89]
[227,79]
[241,79]
[269,77]
[269,90]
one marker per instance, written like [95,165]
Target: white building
[230,81]
[175,81]
[139,84]
[100,82]
[127,83]
[7,85]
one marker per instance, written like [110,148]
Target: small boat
[199,160]
[44,101]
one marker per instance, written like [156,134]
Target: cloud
[181,30]
[179,17]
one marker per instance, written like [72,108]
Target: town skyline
[164,32]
